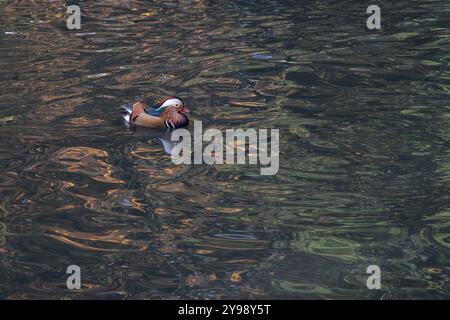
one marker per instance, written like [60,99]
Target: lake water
[364,178]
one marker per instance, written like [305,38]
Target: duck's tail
[126,112]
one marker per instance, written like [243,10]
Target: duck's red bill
[186,110]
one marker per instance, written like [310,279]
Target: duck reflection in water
[163,136]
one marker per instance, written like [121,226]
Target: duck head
[173,111]
[172,102]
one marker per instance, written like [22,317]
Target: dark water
[364,175]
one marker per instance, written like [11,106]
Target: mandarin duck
[170,113]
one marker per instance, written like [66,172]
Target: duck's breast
[173,119]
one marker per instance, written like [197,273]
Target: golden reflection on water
[95,241]
[87,161]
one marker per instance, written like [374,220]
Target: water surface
[364,171]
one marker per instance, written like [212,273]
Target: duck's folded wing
[156,111]
[146,120]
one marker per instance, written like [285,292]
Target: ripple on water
[364,163]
